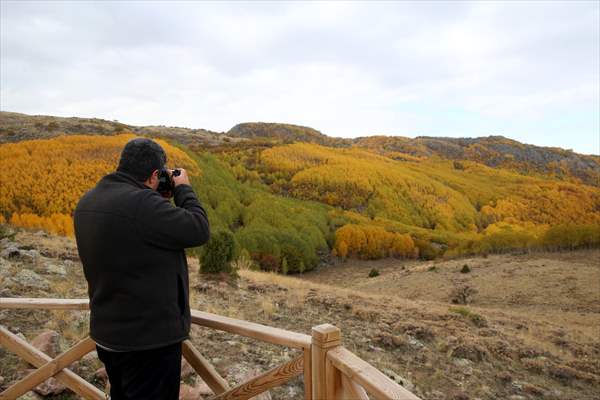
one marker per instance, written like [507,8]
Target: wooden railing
[330,371]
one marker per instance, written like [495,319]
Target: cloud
[345,68]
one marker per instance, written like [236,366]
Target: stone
[5,267]
[29,255]
[55,269]
[10,251]
[186,369]
[90,357]
[101,374]
[48,343]
[30,279]
[470,352]
[464,365]
[407,384]
[415,343]
[187,392]
[30,396]
[50,387]
[204,389]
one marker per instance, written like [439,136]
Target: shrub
[373,273]
[477,320]
[284,266]
[244,261]
[266,262]
[465,269]
[462,294]
[217,254]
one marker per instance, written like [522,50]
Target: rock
[399,341]
[101,374]
[187,392]
[47,342]
[90,357]
[30,279]
[186,369]
[437,395]
[408,385]
[55,269]
[203,389]
[30,396]
[50,387]
[5,267]
[414,343]
[470,352]
[10,251]
[29,255]
[464,365]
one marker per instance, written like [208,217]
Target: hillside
[488,349]
[493,151]
[15,127]
[291,201]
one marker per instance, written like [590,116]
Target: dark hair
[140,157]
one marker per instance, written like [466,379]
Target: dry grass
[549,345]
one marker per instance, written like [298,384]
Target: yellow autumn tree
[42,180]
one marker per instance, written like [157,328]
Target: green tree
[217,254]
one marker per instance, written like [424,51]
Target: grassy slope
[506,351]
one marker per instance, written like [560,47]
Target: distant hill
[286,133]
[15,127]
[493,151]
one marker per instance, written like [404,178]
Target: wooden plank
[44,303]
[270,379]
[50,369]
[37,358]
[307,374]
[363,373]
[324,338]
[252,330]
[204,369]
[333,376]
[352,390]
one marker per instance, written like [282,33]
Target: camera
[165,182]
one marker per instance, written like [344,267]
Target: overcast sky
[528,71]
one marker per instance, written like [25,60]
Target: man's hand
[180,179]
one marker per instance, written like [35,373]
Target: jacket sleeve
[163,225]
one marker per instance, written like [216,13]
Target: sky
[529,71]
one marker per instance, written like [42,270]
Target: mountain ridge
[494,151]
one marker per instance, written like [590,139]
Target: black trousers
[145,374]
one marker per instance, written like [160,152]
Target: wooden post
[324,338]
[307,374]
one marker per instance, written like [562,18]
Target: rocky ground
[439,350]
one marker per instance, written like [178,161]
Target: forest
[289,206]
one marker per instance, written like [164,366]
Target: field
[529,332]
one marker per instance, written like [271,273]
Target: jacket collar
[127,178]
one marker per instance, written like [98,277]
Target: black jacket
[131,243]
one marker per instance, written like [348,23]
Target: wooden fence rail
[330,371]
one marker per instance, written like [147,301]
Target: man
[131,242]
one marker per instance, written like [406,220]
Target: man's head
[143,158]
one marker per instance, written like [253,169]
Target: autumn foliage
[41,181]
[372,242]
